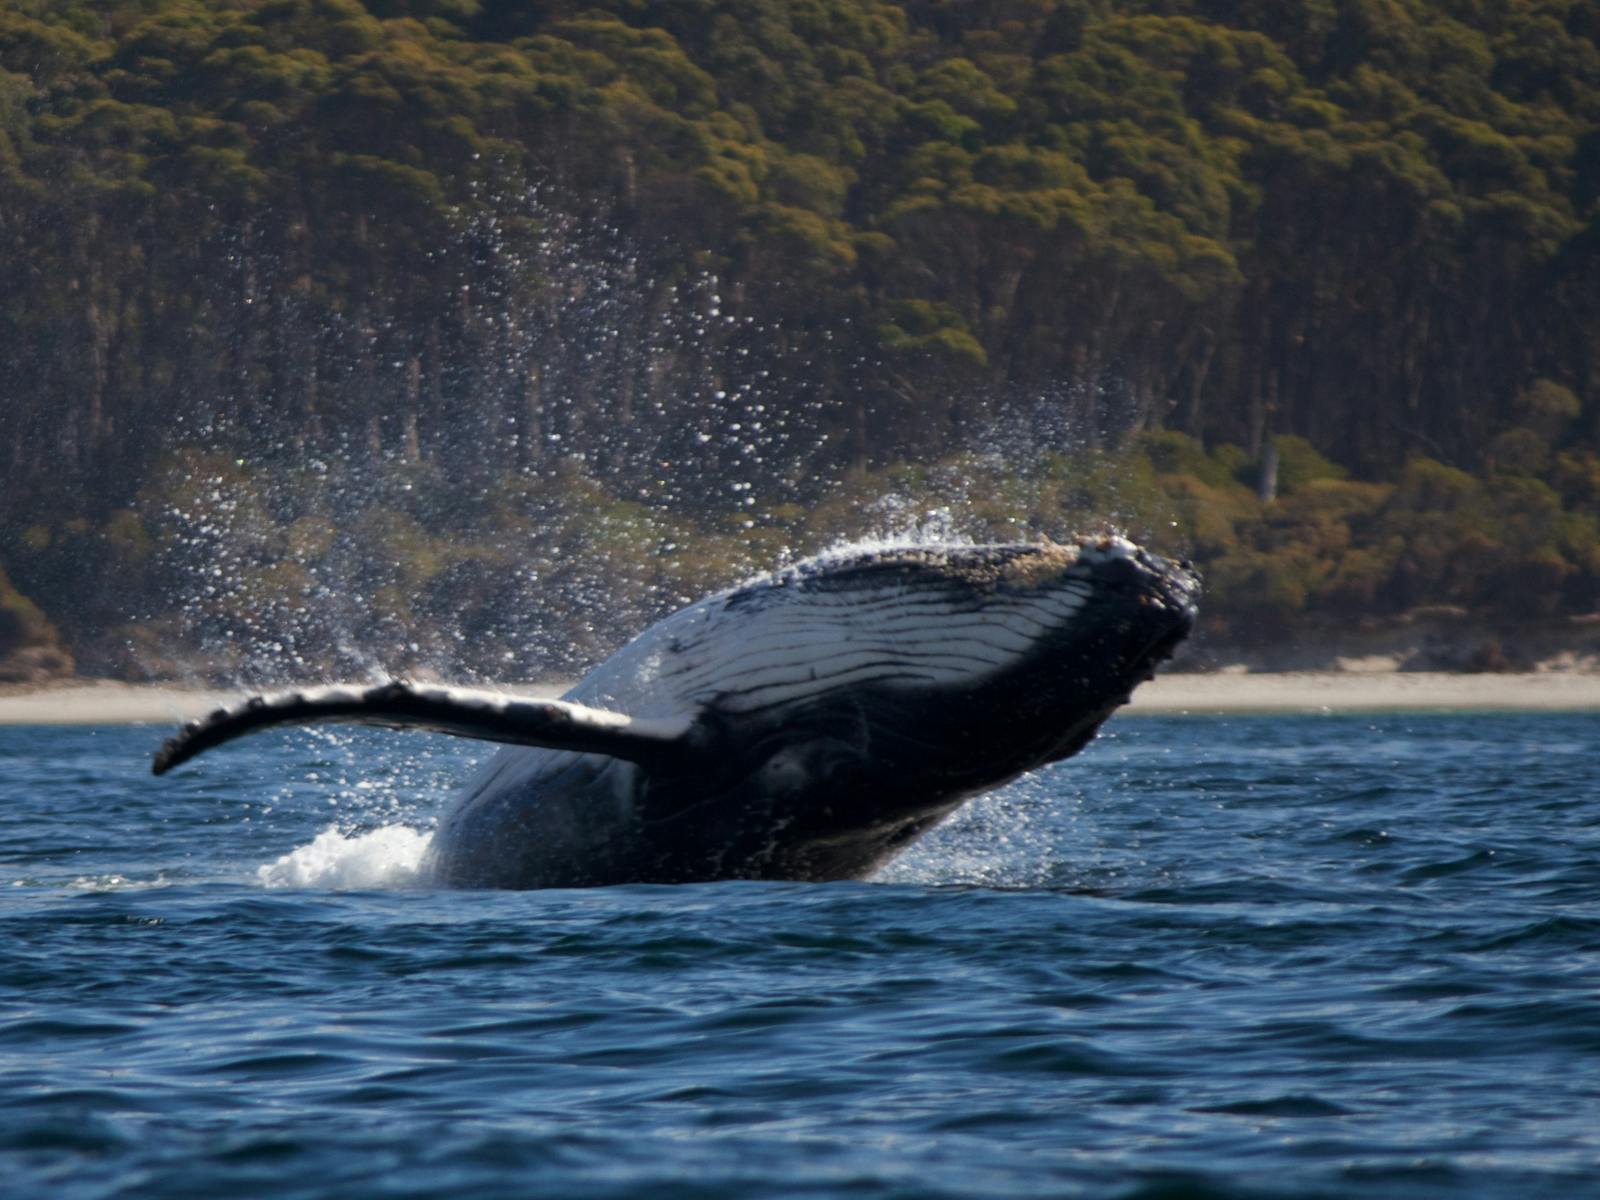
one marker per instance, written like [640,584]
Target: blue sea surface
[1276,956]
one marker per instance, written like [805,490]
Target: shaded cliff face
[30,648]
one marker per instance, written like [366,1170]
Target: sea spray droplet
[388,857]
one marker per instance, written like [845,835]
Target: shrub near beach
[548,574]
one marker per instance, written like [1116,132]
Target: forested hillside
[331,327]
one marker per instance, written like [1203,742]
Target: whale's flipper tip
[169,755]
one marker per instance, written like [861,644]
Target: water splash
[509,484]
[526,507]
[388,857]
[1005,839]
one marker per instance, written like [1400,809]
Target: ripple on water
[1243,957]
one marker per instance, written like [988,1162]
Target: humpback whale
[806,725]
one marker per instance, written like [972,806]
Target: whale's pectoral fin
[467,712]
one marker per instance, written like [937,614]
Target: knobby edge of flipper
[465,712]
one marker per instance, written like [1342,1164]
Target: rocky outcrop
[30,648]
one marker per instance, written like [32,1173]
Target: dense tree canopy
[712,257]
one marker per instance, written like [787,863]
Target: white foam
[390,857]
[991,841]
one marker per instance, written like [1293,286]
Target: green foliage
[1174,453]
[1547,409]
[22,623]
[1365,231]
[1518,452]
[920,327]
[30,647]
[1299,464]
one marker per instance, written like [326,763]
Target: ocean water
[1286,956]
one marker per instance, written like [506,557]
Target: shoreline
[106,702]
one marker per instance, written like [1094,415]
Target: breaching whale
[806,725]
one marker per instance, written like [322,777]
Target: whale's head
[910,678]
[1021,644]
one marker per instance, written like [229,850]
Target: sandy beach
[104,702]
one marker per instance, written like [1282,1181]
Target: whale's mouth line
[1164,645]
